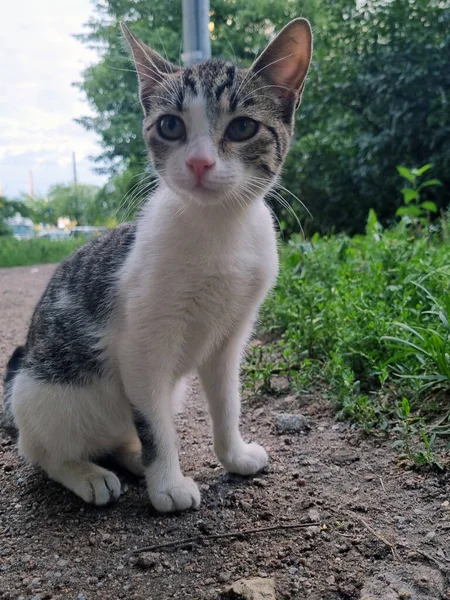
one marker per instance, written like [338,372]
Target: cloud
[39,61]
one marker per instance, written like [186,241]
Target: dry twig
[217,536]
[377,535]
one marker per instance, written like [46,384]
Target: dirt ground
[383,533]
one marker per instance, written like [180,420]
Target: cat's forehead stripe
[212,78]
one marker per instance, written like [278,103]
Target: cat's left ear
[285,61]
[151,67]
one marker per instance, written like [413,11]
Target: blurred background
[377,97]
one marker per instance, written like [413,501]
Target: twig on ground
[382,485]
[352,515]
[217,536]
[377,535]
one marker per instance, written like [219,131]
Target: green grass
[367,319]
[16,253]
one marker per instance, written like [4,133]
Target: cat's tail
[12,368]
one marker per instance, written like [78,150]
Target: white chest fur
[195,277]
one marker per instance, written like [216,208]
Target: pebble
[147,560]
[286,422]
[259,482]
[313,515]
[224,577]
[253,589]
[430,536]
[312,531]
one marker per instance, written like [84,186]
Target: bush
[368,317]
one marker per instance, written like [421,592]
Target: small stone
[147,560]
[35,582]
[293,570]
[37,597]
[430,536]
[312,531]
[342,548]
[81,597]
[331,580]
[260,482]
[313,515]
[404,593]
[258,588]
[286,422]
[224,577]
[62,563]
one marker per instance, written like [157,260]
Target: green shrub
[373,312]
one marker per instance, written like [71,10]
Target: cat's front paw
[246,459]
[182,495]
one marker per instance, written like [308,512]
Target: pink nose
[200,165]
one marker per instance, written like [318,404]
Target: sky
[39,60]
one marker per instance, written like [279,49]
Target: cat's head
[217,133]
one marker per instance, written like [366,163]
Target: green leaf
[430,206]
[406,173]
[409,194]
[373,226]
[411,211]
[430,183]
[406,407]
[422,170]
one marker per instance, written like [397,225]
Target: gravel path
[383,535]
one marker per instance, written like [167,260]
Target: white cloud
[39,61]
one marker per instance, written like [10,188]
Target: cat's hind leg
[63,427]
[129,454]
[92,483]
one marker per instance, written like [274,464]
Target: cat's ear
[151,67]
[285,61]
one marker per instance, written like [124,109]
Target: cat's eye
[241,129]
[171,127]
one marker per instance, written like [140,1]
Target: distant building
[22,228]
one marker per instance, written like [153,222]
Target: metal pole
[75,188]
[31,184]
[196,40]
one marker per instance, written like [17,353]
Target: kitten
[130,314]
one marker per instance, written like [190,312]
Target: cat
[130,314]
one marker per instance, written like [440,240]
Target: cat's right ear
[151,67]
[285,61]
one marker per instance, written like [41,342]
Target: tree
[8,208]
[78,202]
[377,95]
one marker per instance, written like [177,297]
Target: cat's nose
[200,164]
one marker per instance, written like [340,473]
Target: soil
[382,532]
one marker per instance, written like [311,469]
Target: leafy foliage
[339,301]
[376,97]
[8,208]
[78,202]
[415,210]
